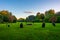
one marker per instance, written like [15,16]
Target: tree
[31,18]
[21,20]
[5,19]
[14,19]
[58,16]
[1,18]
[58,19]
[4,13]
[42,16]
[11,18]
[38,15]
[37,19]
[7,16]
[49,14]
[53,19]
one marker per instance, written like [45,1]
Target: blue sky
[18,7]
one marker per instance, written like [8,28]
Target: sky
[21,8]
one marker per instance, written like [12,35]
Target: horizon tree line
[6,16]
[39,17]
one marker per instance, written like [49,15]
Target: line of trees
[6,16]
[40,16]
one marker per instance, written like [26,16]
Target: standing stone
[8,25]
[53,23]
[21,25]
[43,25]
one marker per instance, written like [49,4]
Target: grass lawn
[30,32]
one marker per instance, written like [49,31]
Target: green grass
[32,32]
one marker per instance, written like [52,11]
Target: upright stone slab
[21,25]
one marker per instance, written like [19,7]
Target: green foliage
[49,13]
[47,16]
[21,20]
[58,16]
[5,19]
[1,18]
[58,19]
[38,16]
[4,16]
[30,18]
[15,19]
